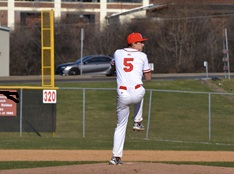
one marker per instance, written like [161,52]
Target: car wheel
[74,71]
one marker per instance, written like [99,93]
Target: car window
[92,60]
[105,59]
[98,60]
[83,59]
[95,60]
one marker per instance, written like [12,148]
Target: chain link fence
[169,115]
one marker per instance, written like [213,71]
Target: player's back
[129,65]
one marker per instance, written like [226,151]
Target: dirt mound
[130,165]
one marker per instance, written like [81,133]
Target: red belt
[125,88]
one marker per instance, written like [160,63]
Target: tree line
[180,40]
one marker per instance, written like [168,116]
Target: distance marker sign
[49,96]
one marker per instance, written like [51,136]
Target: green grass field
[178,120]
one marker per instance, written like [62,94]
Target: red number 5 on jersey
[128,64]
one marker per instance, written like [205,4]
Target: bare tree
[185,36]
[25,54]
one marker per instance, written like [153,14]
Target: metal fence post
[21,111]
[84,113]
[149,113]
[209,115]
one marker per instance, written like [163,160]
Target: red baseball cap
[135,37]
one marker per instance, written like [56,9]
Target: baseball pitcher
[131,65]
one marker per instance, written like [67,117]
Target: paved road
[83,78]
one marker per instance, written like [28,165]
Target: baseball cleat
[138,126]
[115,161]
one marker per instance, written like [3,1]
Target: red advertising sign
[7,106]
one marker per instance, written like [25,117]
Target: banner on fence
[7,106]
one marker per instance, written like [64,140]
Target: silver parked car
[92,64]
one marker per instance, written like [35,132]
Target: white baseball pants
[125,97]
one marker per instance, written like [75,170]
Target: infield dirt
[142,162]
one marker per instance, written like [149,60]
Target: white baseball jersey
[130,65]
